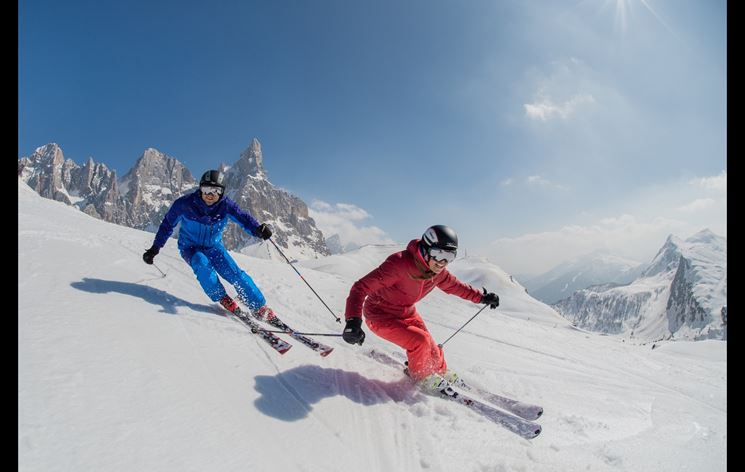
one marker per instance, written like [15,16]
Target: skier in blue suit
[203,215]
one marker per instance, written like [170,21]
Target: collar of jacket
[419,262]
[203,207]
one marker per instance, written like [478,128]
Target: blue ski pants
[207,262]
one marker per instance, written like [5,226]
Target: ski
[522,427]
[523,410]
[320,348]
[279,344]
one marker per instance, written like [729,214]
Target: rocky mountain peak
[152,154]
[50,151]
[251,161]
[155,168]
[706,236]
[667,257]
[47,172]
[247,184]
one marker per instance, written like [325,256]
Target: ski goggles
[442,255]
[209,190]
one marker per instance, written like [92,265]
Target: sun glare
[624,11]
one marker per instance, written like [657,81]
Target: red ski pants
[425,356]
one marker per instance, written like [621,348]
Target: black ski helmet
[213,178]
[441,237]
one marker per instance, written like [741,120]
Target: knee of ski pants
[210,262]
[407,335]
[424,355]
[249,292]
[207,276]
[237,277]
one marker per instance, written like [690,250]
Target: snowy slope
[121,369]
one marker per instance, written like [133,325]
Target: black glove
[491,299]
[264,231]
[353,333]
[150,255]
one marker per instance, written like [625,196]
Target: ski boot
[453,379]
[230,305]
[433,384]
[266,313]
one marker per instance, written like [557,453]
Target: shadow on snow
[290,395]
[168,302]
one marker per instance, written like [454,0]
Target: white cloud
[623,235]
[698,205]
[507,182]
[642,223]
[540,180]
[321,206]
[708,193]
[544,108]
[345,220]
[717,183]
[563,90]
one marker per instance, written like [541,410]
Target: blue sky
[538,130]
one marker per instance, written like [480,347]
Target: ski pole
[464,325]
[338,320]
[164,274]
[304,334]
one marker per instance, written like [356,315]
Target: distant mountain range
[584,271]
[143,195]
[681,294]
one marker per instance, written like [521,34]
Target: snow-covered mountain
[122,369]
[91,188]
[141,198]
[682,294]
[334,244]
[149,188]
[590,269]
[337,246]
[295,230]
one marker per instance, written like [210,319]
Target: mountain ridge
[144,194]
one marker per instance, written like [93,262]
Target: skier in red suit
[387,296]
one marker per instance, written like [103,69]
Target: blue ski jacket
[201,224]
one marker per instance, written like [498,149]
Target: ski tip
[536,432]
[282,351]
[326,353]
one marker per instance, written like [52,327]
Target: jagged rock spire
[251,161]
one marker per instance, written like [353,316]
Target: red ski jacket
[391,290]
